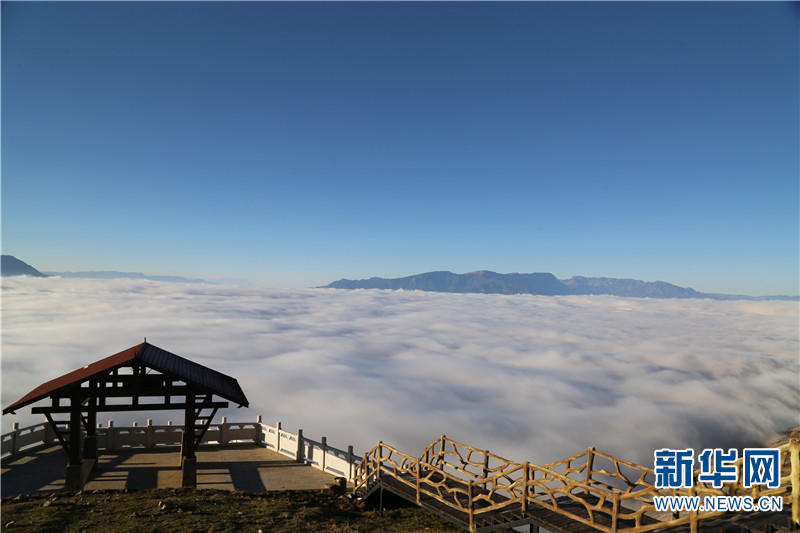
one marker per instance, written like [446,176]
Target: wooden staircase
[588,492]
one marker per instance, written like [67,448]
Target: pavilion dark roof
[151,356]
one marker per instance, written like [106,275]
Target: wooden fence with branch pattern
[480,490]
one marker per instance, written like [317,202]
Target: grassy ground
[175,510]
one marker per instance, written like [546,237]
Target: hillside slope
[11,266]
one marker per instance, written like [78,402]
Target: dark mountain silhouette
[483,281]
[629,287]
[487,282]
[11,266]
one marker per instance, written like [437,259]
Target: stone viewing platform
[250,456]
[243,456]
[247,468]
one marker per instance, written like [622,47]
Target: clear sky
[293,144]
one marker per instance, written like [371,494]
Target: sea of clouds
[534,378]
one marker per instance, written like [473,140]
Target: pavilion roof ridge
[152,356]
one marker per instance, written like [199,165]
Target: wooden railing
[593,488]
[625,491]
[465,479]
[454,457]
[383,459]
[596,489]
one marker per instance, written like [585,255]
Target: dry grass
[180,510]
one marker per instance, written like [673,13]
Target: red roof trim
[76,376]
[232,390]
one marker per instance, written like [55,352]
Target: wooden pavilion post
[188,457]
[74,476]
[90,441]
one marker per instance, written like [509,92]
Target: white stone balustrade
[319,455]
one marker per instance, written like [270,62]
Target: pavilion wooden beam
[59,433]
[157,391]
[151,388]
[117,408]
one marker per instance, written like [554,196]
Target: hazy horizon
[234,281]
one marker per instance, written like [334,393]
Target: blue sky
[293,144]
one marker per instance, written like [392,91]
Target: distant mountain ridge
[113,274]
[541,283]
[629,287]
[11,266]
[483,281]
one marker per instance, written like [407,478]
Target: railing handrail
[332,459]
[571,488]
[500,475]
[528,490]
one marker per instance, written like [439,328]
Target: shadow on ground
[246,468]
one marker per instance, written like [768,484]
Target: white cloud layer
[527,377]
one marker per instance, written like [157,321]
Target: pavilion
[141,378]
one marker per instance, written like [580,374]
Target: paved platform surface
[247,468]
